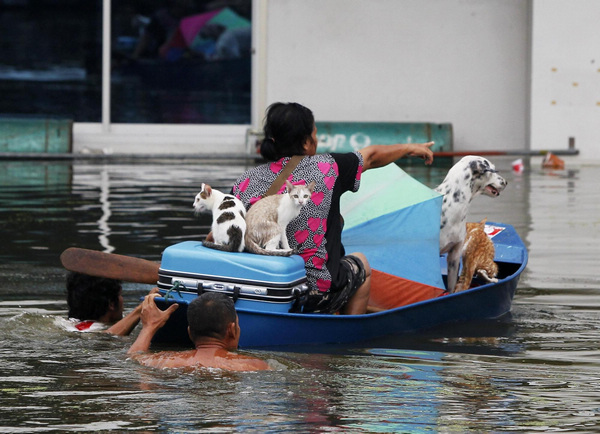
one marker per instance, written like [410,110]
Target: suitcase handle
[222,287]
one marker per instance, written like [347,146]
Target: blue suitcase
[255,282]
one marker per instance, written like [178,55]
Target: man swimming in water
[96,304]
[213,328]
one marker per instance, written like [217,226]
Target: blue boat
[399,233]
[267,327]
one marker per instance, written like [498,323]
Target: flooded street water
[537,370]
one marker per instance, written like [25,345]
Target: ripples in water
[537,370]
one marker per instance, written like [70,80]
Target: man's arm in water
[152,320]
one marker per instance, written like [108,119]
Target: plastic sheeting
[395,221]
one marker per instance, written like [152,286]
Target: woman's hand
[422,150]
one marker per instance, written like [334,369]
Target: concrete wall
[566,76]
[459,61]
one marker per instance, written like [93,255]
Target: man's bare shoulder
[196,360]
[166,359]
[240,362]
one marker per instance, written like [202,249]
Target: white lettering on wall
[340,142]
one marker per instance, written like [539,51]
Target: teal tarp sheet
[395,221]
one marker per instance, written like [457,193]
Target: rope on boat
[175,287]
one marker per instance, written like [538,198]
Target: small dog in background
[478,257]
[468,178]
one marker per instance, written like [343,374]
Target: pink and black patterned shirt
[317,232]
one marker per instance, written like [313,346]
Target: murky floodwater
[538,370]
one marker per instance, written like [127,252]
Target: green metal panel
[26,135]
[50,175]
[351,136]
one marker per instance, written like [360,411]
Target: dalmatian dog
[468,178]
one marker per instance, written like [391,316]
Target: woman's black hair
[287,126]
[89,297]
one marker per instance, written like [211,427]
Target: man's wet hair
[89,297]
[210,314]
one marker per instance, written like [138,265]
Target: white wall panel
[459,61]
[566,76]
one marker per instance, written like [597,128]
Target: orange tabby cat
[478,257]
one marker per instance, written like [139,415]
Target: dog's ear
[481,166]
[477,167]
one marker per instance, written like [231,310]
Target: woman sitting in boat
[337,282]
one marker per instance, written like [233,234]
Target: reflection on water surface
[536,370]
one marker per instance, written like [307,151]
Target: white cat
[229,224]
[268,218]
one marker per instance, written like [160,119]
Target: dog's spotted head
[484,177]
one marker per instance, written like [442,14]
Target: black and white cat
[229,225]
[268,218]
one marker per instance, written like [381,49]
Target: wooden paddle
[110,265]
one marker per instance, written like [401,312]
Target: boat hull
[286,329]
